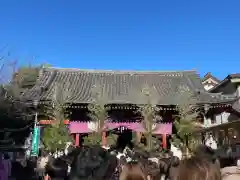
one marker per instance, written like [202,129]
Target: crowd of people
[5,166]
[99,163]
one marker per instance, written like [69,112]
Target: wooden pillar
[104,138]
[164,141]
[77,139]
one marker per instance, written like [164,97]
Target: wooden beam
[42,122]
[237,80]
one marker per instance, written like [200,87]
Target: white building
[224,119]
[209,81]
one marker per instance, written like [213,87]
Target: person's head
[153,169]
[93,163]
[133,171]
[174,161]
[206,152]
[198,168]
[56,168]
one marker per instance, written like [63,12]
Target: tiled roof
[224,82]
[121,86]
[236,75]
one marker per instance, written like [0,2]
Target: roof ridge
[209,75]
[118,89]
[219,94]
[118,71]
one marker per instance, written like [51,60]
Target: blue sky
[127,34]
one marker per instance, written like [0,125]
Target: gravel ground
[231,173]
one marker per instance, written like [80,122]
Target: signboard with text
[35,141]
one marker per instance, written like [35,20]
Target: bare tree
[56,135]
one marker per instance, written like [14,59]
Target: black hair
[93,163]
[56,168]
[206,152]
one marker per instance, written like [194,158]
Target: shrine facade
[121,93]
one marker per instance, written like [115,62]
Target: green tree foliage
[96,140]
[150,114]
[11,103]
[92,139]
[185,122]
[14,112]
[26,77]
[56,135]
[98,113]
[46,65]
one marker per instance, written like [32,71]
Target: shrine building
[121,92]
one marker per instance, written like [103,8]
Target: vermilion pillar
[164,141]
[77,139]
[104,138]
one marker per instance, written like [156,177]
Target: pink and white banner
[87,127]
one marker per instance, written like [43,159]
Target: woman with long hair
[133,171]
[198,168]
